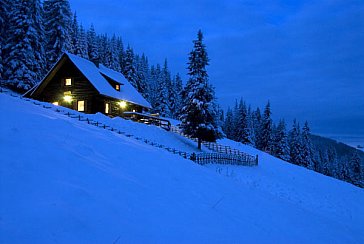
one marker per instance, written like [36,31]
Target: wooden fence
[222,155]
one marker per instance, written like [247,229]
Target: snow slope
[63,181]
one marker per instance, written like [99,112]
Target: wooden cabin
[87,87]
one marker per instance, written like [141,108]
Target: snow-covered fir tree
[74,34]
[171,96]
[355,169]
[92,47]
[251,130]
[257,124]
[81,48]
[244,131]
[57,22]
[265,133]
[142,70]
[324,167]
[24,48]
[307,149]
[177,90]
[295,145]
[102,48]
[130,69]
[121,52]
[112,55]
[229,124]
[161,100]
[199,110]
[236,116]
[280,142]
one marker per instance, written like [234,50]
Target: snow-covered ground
[63,181]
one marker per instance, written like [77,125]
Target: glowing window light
[107,108]
[55,103]
[68,81]
[81,106]
[117,87]
[68,98]
[122,104]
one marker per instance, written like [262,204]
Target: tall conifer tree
[57,21]
[199,111]
[24,49]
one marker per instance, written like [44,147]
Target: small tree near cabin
[199,113]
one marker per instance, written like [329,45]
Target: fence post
[256,159]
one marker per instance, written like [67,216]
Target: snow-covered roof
[93,74]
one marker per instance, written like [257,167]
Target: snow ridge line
[199,158]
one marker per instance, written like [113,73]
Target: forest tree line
[295,145]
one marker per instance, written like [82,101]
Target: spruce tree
[161,100]
[24,48]
[130,69]
[142,69]
[57,21]
[81,48]
[178,89]
[307,148]
[92,44]
[74,32]
[243,126]
[228,124]
[257,124]
[354,169]
[199,109]
[121,53]
[280,142]
[265,141]
[111,58]
[295,145]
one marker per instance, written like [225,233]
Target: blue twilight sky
[306,57]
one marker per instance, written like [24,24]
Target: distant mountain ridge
[342,149]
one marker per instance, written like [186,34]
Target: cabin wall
[81,89]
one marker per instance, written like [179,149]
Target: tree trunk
[199,143]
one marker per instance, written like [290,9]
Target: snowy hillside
[64,181]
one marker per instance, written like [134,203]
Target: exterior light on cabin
[68,98]
[122,104]
[55,103]
[117,87]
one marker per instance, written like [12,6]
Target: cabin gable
[68,87]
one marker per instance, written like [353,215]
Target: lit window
[107,108]
[117,87]
[81,106]
[55,103]
[68,82]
